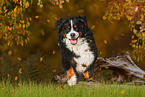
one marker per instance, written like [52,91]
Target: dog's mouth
[74,41]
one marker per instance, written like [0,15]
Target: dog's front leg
[71,76]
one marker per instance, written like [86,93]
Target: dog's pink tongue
[73,41]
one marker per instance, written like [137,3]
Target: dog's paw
[72,81]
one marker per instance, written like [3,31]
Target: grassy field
[80,90]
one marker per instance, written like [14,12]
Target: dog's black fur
[68,55]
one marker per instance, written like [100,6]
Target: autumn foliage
[134,12]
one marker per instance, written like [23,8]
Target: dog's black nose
[72,34]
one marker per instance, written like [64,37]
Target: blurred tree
[13,27]
[134,11]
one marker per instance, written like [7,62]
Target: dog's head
[72,29]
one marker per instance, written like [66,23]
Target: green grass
[80,90]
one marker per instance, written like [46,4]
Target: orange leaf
[90,40]
[122,92]
[100,53]
[36,17]
[7,92]
[62,88]
[114,91]
[53,52]
[42,33]
[10,53]
[54,70]
[106,67]
[20,70]
[2,88]
[16,78]
[93,94]
[93,27]
[19,58]
[58,44]
[105,41]
[81,11]
[19,84]
[48,20]
[41,59]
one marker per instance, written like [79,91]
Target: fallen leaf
[48,20]
[42,33]
[11,68]
[105,41]
[60,6]
[122,92]
[104,17]
[62,88]
[20,70]
[54,70]
[93,94]
[53,52]
[2,88]
[86,50]
[19,58]
[90,40]
[11,93]
[139,22]
[106,67]
[67,0]
[8,75]
[9,52]
[93,27]
[81,11]
[7,92]
[55,18]
[14,90]
[114,91]
[36,17]
[1,58]
[30,18]
[16,78]
[41,59]
[90,79]
[58,44]
[94,7]
[144,76]
[100,53]
[19,84]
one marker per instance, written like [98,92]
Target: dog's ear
[83,19]
[59,23]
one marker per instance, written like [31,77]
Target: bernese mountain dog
[78,48]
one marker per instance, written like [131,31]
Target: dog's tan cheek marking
[80,33]
[70,73]
[64,35]
[86,75]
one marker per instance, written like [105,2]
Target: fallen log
[122,67]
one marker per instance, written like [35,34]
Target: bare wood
[122,66]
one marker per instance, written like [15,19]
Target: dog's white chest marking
[82,50]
